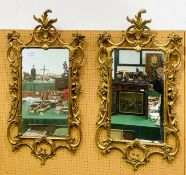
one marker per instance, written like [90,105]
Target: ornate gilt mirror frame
[138,37]
[45,36]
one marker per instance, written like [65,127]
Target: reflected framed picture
[131,102]
[153,62]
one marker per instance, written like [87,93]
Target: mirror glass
[137,95]
[45,92]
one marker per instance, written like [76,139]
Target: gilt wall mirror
[137,93]
[45,89]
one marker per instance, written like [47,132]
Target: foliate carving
[136,159]
[45,33]
[177,40]
[78,38]
[42,153]
[138,34]
[104,38]
[137,37]
[44,36]
[13,36]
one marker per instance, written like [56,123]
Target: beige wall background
[93,15]
[88,158]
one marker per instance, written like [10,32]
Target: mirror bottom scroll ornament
[45,36]
[138,37]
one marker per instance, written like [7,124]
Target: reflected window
[137,95]
[45,92]
[129,57]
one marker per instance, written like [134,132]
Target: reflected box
[130,98]
[116,134]
[131,103]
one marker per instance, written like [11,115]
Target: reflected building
[33,73]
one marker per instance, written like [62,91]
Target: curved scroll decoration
[45,36]
[138,37]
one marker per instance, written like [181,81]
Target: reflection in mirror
[137,95]
[45,92]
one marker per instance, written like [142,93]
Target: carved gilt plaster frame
[138,37]
[45,36]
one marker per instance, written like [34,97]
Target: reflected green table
[143,128]
[47,119]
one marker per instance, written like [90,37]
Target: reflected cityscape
[45,92]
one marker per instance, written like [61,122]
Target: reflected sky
[48,58]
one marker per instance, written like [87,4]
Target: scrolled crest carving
[45,33]
[138,37]
[138,34]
